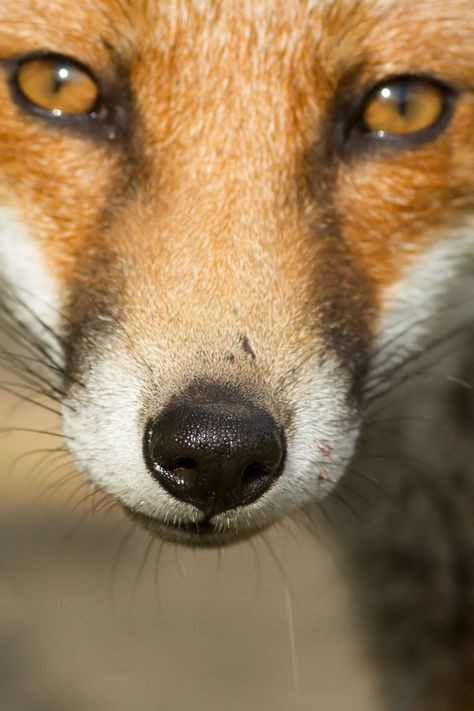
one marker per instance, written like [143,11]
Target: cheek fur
[428,295]
[29,284]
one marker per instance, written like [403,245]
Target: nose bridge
[223,266]
[228,276]
[223,148]
[223,154]
[219,300]
[224,253]
[227,213]
[223,189]
[227,243]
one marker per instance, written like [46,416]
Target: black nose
[216,452]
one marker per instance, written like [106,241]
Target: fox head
[221,225]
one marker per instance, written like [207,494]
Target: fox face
[222,225]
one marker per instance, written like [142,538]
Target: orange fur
[253,85]
[224,235]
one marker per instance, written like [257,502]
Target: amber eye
[404,106]
[56,85]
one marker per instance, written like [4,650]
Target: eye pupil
[404,104]
[56,85]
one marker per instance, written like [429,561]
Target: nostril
[254,472]
[183,471]
[182,463]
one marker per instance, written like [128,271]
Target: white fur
[105,431]
[25,271]
[324,432]
[106,437]
[420,302]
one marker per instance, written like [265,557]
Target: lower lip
[188,534]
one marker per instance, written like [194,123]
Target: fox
[224,228]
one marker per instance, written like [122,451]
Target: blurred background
[95,615]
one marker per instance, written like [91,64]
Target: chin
[202,534]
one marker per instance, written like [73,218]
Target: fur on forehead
[162,21]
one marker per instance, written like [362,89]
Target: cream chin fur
[105,431]
[24,270]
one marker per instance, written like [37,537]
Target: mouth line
[192,534]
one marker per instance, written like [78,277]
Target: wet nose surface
[215,453]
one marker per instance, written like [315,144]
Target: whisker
[412,324]
[61,482]
[30,400]
[292,637]
[132,528]
[23,457]
[156,580]
[275,559]
[384,380]
[28,430]
[145,557]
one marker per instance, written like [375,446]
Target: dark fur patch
[246,347]
[345,310]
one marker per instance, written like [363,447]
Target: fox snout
[223,226]
[201,447]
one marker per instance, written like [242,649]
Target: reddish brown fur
[221,195]
[188,128]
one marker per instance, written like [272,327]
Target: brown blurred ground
[94,616]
